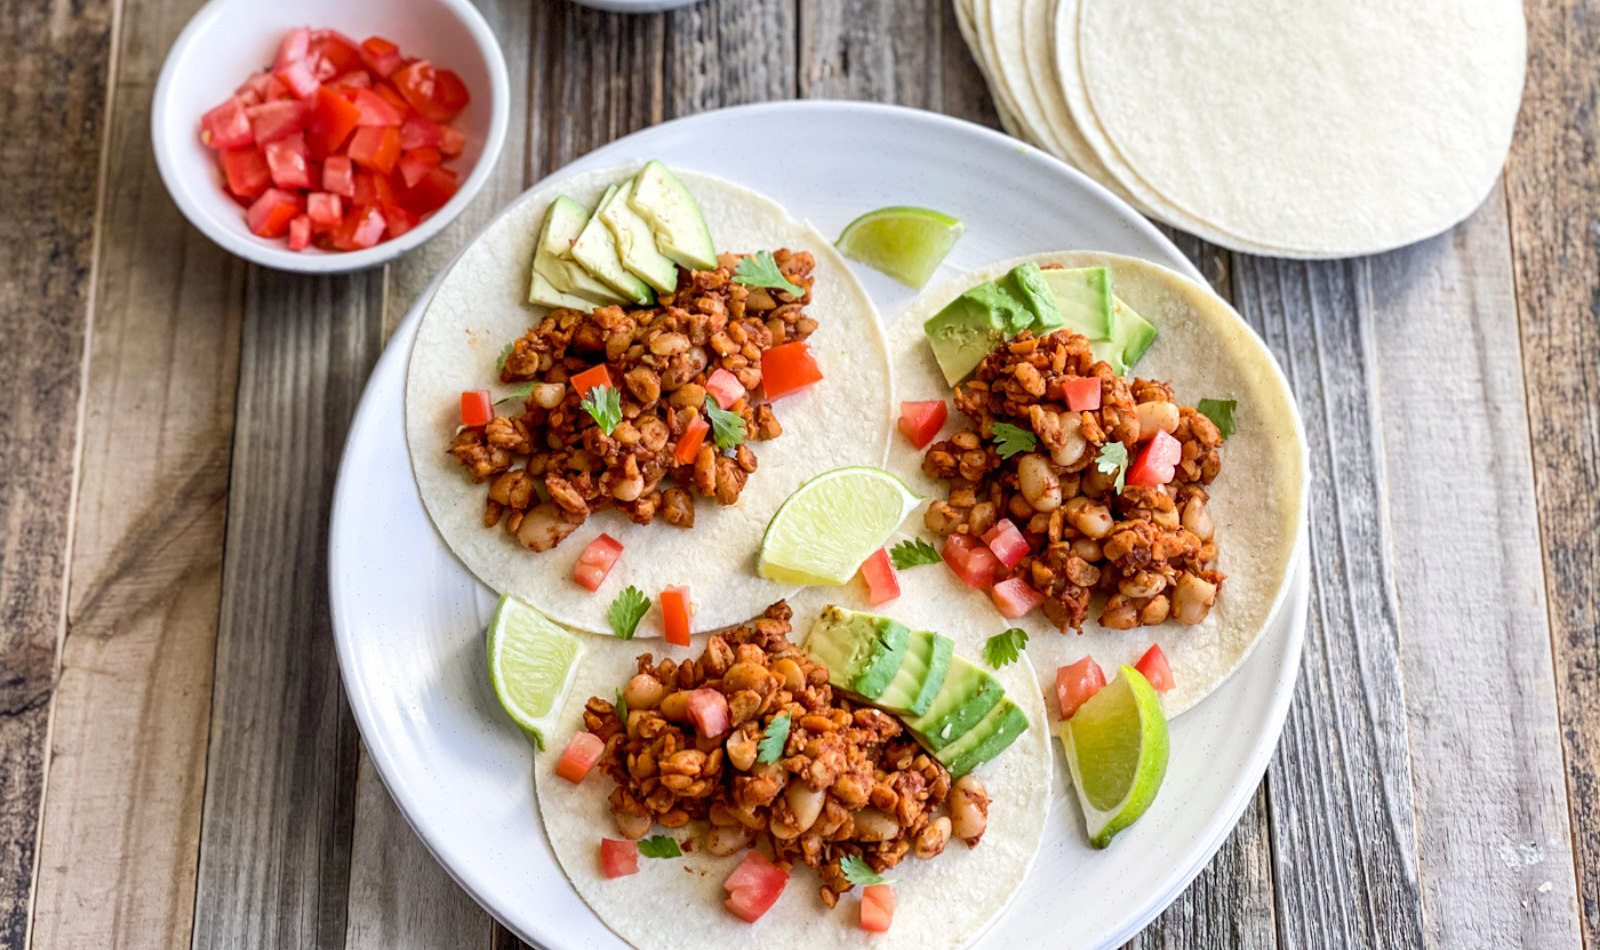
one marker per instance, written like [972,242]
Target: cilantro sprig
[1004,648]
[622,705]
[760,270]
[727,427]
[505,354]
[626,611]
[770,749]
[913,553]
[1010,439]
[518,392]
[1220,412]
[856,871]
[660,846]
[604,406]
[1113,457]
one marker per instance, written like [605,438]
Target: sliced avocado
[636,245]
[862,652]
[1083,295]
[553,257]
[922,672]
[964,332]
[967,695]
[990,737]
[1040,297]
[1134,332]
[674,217]
[596,250]
[543,293]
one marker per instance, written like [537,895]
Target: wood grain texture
[281,773]
[128,745]
[1553,199]
[53,63]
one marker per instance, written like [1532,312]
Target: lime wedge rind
[1117,748]
[907,243]
[820,534]
[532,663]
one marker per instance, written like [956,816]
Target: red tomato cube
[287,160]
[788,368]
[376,110]
[1014,598]
[374,147]
[434,191]
[590,378]
[580,756]
[1007,542]
[708,710]
[361,229]
[325,210]
[337,50]
[399,219]
[1083,394]
[877,907]
[328,123]
[373,190]
[451,141]
[450,96]
[437,94]
[299,233]
[271,213]
[675,610]
[1076,682]
[596,561]
[293,48]
[1154,667]
[299,78]
[388,94]
[725,388]
[1156,461]
[277,119]
[694,436]
[754,886]
[227,126]
[413,165]
[380,55]
[350,82]
[246,171]
[882,582]
[618,858]
[477,408]
[338,176]
[921,421]
[418,132]
[971,561]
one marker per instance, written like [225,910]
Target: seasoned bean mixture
[847,779]
[550,465]
[1149,549]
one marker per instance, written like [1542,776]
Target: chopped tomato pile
[339,145]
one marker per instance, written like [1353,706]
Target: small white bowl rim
[281,258]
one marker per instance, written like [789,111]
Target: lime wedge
[532,663]
[1117,750]
[904,242]
[822,532]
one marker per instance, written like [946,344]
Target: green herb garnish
[727,427]
[760,270]
[622,706]
[519,392]
[1113,457]
[1220,412]
[1010,439]
[604,406]
[913,553]
[771,747]
[660,846]
[626,611]
[856,871]
[505,354]
[1004,648]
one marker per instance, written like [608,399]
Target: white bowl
[230,39]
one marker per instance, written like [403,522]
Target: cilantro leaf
[626,611]
[1010,439]
[771,747]
[1220,412]
[913,553]
[1003,648]
[760,270]
[727,427]
[660,846]
[622,706]
[1113,457]
[505,354]
[856,871]
[518,392]
[604,406]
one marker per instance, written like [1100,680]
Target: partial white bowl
[230,39]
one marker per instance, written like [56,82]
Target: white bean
[1197,520]
[1073,443]
[1038,482]
[1154,417]
[1192,599]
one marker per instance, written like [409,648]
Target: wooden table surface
[177,762]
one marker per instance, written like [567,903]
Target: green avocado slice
[862,652]
[985,740]
[922,671]
[967,695]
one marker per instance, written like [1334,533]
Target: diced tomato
[299,233]
[287,160]
[373,190]
[452,141]
[246,171]
[1083,394]
[708,710]
[477,408]
[350,82]
[388,94]
[415,163]
[1014,598]
[1156,461]
[1076,682]
[882,582]
[399,219]
[450,96]
[754,886]
[277,119]
[271,213]
[430,194]
[1154,667]
[675,615]
[596,561]
[261,87]
[725,387]
[580,756]
[694,435]
[325,210]
[376,110]
[380,55]
[788,368]
[877,907]
[418,132]
[974,563]
[361,229]
[921,421]
[590,378]
[337,50]
[227,126]
[1007,542]
[329,122]
[437,94]
[618,858]
[374,147]
[299,78]
[338,176]
[293,48]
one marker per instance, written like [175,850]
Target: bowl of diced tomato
[321,138]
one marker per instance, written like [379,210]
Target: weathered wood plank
[53,65]
[128,743]
[1553,191]
[281,773]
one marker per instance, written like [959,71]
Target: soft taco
[682,469]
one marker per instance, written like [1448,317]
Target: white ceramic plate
[408,618]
